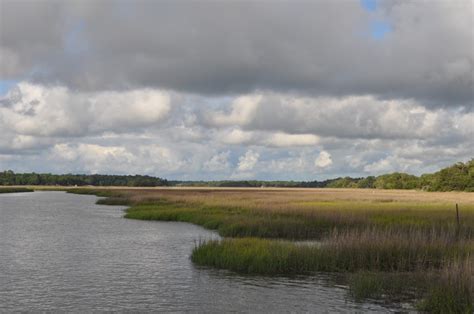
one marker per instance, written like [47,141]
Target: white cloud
[323,160]
[300,163]
[288,136]
[154,156]
[391,164]
[281,139]
[94,158]
[365,117]
[92,152]
[248,161]
[126,110]
[38,110]
[236,136]
[218,162]
[242,111]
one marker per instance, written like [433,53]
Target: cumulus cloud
[218,162]
[392,164]
[242,110]
[323,160]
[281,139]
[236,136]
[38,110]
[248,161]
[56,129]
[94,158]
[346,117]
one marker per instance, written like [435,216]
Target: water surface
[60,251]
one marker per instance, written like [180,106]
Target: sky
[212,90]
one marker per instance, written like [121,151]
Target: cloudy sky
[299,90]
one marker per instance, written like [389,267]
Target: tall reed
[452,291]
[347,251]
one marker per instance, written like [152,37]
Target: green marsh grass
[305,224]
[342,252]
[452,290]
[389,286]
[14,190]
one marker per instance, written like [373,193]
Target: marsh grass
[387,286]
[96,192]
[240,222]
[14,190]
[113,201]
[303,224]
[451,290]
[393,250]
[342,252]
[409,239]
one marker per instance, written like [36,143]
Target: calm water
[60,251]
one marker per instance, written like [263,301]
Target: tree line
[11,178]
[458,177]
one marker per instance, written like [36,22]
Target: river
[63,252]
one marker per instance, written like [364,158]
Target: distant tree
[367,183]
[397,180]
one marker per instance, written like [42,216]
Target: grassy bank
[14,190]
[410,239]
[349,252]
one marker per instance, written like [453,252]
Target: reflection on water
[60,251]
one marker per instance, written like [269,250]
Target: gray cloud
[318,47]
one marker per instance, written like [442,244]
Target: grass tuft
[390,286]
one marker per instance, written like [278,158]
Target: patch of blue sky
[379,29]
[6,85]
[369,5]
